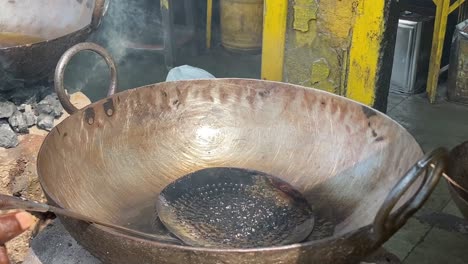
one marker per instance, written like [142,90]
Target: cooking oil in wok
[10,39]
[144,218]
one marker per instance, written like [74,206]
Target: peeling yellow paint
[299,68]
[320,71]
[326,86]
[337,17]
[306,38]
[165,4]
[326,35]
[365,49]
[304,11]
[347,34]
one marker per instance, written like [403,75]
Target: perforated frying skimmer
[234,208]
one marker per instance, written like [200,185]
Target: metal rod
[10,202]
[455,5]
[168,29]
[209,14]
[437,46]
[274,39]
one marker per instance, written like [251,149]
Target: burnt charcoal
[45,121]
[50,98]
[21,107]
[49,105]
[8,138]
[7,109]
[58,110]
[29,116]
[42,108]
[18,122]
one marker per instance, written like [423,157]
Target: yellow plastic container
[241,25]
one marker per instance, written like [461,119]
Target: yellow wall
[333,45]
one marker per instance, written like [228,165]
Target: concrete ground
[440,124]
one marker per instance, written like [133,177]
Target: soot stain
[379,139]
[368,112]
[264,93]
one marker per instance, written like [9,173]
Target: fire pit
[33,36]
[110,160]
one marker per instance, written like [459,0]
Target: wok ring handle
[432,165]
[100,8]
[65,59]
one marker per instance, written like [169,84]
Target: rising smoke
[137,20]
[124,21]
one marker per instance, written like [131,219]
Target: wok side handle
[432,165]
[65,59]
[100,8]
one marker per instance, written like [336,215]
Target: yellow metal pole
[209,13]
[273,43]
[364,56]
[455,5]
[440,25]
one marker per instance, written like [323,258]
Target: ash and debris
[22,108]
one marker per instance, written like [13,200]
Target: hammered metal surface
[339,154]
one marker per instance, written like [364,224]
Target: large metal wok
[61,23]
[457,170]
[353,164]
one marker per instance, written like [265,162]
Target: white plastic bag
[187,72]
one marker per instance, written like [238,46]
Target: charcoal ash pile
[21,109]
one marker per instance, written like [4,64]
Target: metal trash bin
[412,53]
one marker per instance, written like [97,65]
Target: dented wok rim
[299,245]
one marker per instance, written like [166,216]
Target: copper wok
[62,23]
[360,170]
